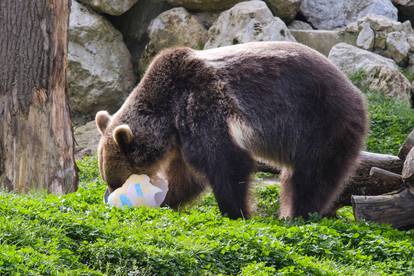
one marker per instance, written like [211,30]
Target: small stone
[366,37]
[299,25]
[397,47]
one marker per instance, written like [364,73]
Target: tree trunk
[36,141]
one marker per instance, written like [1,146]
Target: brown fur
[216,111]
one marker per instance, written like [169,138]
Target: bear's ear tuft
[123,135]
[102,120]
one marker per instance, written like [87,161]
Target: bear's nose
[106,195]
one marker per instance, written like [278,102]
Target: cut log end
[396,209]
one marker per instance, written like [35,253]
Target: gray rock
[112,7]
[397,47]
[323,41]
[381,74]
[331,14]
[245,22]
[86,140]
[299,25]
[134,24]
[405,9]
[284,9]
[207,19]
[366,37]
[100,72]
[175,27]
[204,5]
[390,37]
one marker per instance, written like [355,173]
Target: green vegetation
[391,120]
[78,234]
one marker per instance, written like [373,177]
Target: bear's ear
[102,120]
[123,135]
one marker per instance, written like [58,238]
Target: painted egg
[139,191]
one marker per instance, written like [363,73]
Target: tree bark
[406,147]
[396,209]
[36,141]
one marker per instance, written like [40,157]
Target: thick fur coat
[203,117]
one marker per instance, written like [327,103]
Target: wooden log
[386,176]
[395,209]
[408,168]
[406,147]
[36,141]
[361,183]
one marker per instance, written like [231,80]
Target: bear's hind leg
[309,189]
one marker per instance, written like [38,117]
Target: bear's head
[126,149]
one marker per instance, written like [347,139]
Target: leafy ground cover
[76,234]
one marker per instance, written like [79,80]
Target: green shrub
[391,120]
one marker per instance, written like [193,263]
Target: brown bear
[203,117]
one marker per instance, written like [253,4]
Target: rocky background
[111,42]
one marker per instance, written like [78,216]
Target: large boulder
[100,74]
[331,14]
[86,139]
[246,22]
[380,74]
[134,24]
[112,7]
[285,9]
[172,28]
[323,40]
[204,5]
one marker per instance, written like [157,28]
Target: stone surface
[204,5]
[112,7]
[299,25]
[397,47]
[366,37]
[284,9]
[384,36]
[323,41]
[405,9]
[381,74]
[331,14]
[207,19]
[134,24]
[175,27]
[245,22]
[86,140]
[100,74]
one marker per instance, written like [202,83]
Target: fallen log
[361,183]
[385,176]
[408,169]
[406,147]
[396,209]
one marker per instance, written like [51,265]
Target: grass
[76,234]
